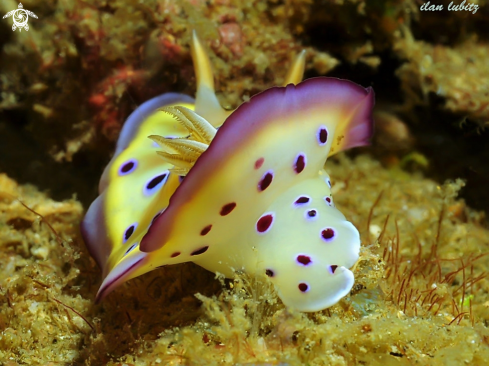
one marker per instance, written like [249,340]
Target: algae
[420,295]
[465,92]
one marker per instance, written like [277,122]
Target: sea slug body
[254,197]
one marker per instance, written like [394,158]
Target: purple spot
[265,181]
[259,163]
[200,251]
[322,135]
[328,200]
[128,167]
[327,234]
[176,254]
[300,163]
[155,183]
[227,208]
[130,248]
[301,200]
[129,231]
[311,215]
[305,260]
[328,182]
[264,223]
[269,273]
[333,268]
[181,178]
[206,230]
[304,287]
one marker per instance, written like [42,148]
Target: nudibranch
[255,195]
